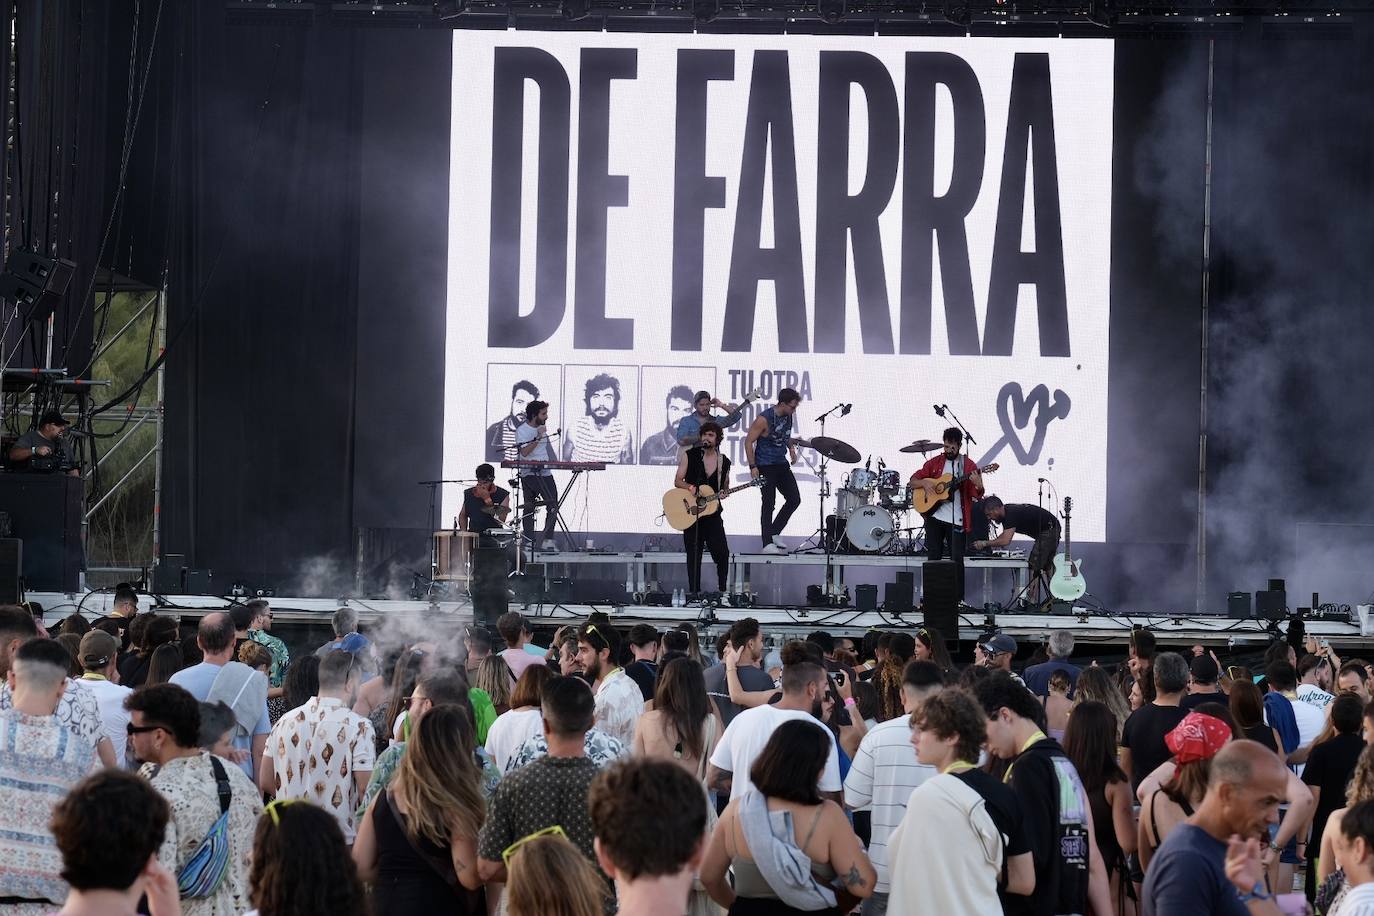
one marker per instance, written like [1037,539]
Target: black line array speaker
[940,597]
[490,599]
[11,562]
[45,513]
[35,283]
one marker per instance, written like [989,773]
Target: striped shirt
[881,778]
[610,443]
[40,760]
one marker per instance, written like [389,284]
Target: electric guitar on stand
[1066,582]
[682,509]
[926,501]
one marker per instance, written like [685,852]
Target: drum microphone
[939,410]
[1041,480]
[845,409]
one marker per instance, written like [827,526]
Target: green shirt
[281,657]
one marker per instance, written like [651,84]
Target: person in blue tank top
[771,451]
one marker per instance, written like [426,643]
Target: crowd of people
[636,773]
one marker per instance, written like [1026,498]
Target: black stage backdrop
[305,399]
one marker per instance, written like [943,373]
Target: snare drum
[847,500]
[889,481]
[897,501]
[861,480]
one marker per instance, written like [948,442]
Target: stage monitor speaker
[1239,605]
[815,596]
[898,596]
[199,582]
[169,573]
[45,512]
[1277,585]
[11,562]
[490,598]
[940,597]
[1271,604]
[866,597]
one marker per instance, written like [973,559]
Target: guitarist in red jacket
[948,523]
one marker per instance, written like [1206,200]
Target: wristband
[850,702]
[1255,894]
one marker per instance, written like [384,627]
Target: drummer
[486,505]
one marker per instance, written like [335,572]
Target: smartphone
[841,711]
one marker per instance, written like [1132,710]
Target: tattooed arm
[852,869]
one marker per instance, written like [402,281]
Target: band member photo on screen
[600,434]
[662,447]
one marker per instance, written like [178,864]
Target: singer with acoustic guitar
[532,444]
[704,465]
[948,523]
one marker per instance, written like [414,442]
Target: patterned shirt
[619,704]
[281,656]
[40,760]
[551,790]
[316,750]
[390,761]
[77,710]
[599,747]
[588,442]
[188,784]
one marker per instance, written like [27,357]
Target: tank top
[696,472]
[771,447]
[1264,734]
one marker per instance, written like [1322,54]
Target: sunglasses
[513,848]
[132,729]
[272,808]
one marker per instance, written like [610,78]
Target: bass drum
[870,528]
[847,501]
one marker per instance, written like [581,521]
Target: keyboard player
[532,444]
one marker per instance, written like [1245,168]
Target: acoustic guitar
[682,509]
[1066,582]
[926,501]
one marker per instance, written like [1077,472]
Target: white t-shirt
[748,733]
[952,510]
[1358,901]
[884,774]
[114,718]
[1311,693]
[509,731]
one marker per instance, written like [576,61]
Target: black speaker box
[940,597]
[1271,604]
[1239,606]
[45,513]
[866,597]
[898,597]
[11,562]
[35,283]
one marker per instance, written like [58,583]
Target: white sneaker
[774,547]
[548,545]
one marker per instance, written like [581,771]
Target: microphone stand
[943,410]
[825,493]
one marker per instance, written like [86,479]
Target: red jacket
[935,467]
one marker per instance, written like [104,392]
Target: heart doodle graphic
[1014,413]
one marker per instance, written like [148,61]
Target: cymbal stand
[826,545]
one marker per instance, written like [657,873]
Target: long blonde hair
[1361,786]
[438,780]
[549,876]
[493,676]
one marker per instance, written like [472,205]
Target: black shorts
[1042,552]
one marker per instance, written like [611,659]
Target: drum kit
[872,506]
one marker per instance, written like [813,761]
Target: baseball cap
[355,643]
[1204,670]
[53,417]
[97,648]
[998,643]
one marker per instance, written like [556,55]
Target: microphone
[846,409]
[939,410]
[1041,480]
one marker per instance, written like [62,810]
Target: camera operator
[44,448]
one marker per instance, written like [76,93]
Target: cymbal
[922,446]
[836,449]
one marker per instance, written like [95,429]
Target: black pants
[539,490]
[939,535]
[778,479]
[707,534]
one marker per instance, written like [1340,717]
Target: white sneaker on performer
[774,547]
[548,544]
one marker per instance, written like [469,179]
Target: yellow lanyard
[1038,736]
[91,676]
[959,766]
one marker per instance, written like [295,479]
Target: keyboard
[557,465]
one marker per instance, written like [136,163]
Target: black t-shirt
[478,518]
[1192,701]
[645,674]
[1329,768]
[1054,811]
[1002,808]
[1030,521]
[1144,733]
